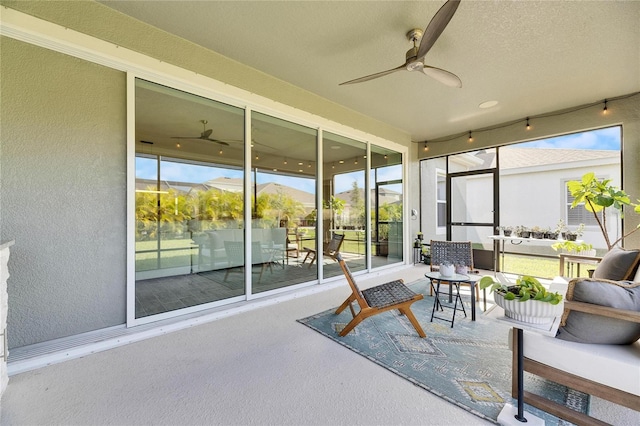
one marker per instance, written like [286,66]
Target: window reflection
[192,245]
[283,195]
[343,199]
[189,192]
[386,206]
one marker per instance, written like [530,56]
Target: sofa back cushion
[618,264]
[589,328]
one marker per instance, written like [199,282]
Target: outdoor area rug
[468,365]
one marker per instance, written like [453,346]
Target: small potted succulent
[447,269]
[574,235]
[426,255]
[506,230]
[561,228]
[526,301]
[524,232]
[537,232]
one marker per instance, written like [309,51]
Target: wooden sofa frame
[578,383]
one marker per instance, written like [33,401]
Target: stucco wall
[62,174]
[104,23]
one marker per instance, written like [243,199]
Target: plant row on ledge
[561,230]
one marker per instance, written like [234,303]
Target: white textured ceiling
[530,56]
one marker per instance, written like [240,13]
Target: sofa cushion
[606,364]
[589,328]
[618,264]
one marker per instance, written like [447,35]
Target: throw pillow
[617,264]
[590,328]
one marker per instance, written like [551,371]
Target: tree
[357,205]
[597,195]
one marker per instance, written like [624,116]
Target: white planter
[531,311]
[447,270]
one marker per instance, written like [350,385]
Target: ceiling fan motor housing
[411,63]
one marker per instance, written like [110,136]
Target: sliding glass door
[226,203]
[189,191]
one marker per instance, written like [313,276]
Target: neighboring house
[532,190]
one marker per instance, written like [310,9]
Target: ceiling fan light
[415,66]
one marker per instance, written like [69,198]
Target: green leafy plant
[525,288]
[597,195]
[571,246]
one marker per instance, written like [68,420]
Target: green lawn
[174,253]
[537,266]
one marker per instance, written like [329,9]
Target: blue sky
[603,139]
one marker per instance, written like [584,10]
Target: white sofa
[608,371]
[212,253]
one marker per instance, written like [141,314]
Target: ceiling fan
[203,136]
[415,56]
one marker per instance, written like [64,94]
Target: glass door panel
[343,200]
[189,191]
[386,204]
[473,213]
[283,200]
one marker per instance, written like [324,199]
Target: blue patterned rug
[468,365]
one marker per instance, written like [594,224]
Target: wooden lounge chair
[374,300]
[330,250]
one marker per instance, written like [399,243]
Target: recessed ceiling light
[488,104]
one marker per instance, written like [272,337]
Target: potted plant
[574,235]
[536,232]
[527,300]
[582,248]
[524,232]
[507,230]
[561,228]
[420,236]
[597,195]
[426,255]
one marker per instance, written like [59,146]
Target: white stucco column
[4,304]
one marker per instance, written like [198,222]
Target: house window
[579,214]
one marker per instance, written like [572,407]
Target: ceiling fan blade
[207,133]
[216,141]
[445,77]
[376,75]
[436,27]
[186,137]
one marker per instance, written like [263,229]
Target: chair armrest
[605,311]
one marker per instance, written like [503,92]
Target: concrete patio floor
[254,368]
